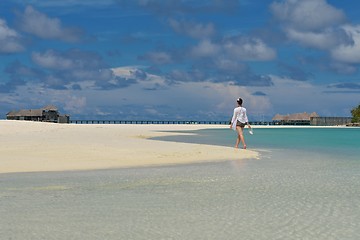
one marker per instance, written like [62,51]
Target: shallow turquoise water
[303,187]
[340,142]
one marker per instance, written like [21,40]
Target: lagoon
[306,185]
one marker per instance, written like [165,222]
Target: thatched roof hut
[46,114]
[26,113]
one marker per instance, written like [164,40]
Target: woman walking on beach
[238,122]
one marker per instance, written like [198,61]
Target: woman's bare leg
[240,138]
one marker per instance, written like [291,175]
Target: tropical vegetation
[355,112]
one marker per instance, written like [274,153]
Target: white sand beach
[37,146]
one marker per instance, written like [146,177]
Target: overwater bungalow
[46,114]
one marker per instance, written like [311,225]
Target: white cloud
[307,15]
[343,68]
[317,24]
[187,100]
[52,60]
[213,99]
[239,48]
[10,40]
[291,96]
[73,59]
[205,49]
[64,69]
[349,53]
[40,25]
[249,49]
[34,95]
[312,23]
[255,105]
[125,72]
[325,39]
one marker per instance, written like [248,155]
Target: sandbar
[38,146]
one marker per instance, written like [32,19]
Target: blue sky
[180,59]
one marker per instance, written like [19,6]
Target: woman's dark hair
[239,101]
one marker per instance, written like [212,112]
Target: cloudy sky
[180,59]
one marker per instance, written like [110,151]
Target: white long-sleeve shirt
[239,114]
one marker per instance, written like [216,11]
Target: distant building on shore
[294,119]
[46,114]
[330,121]
[309,119]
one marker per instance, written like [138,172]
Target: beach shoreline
[27,146]
[90,180]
